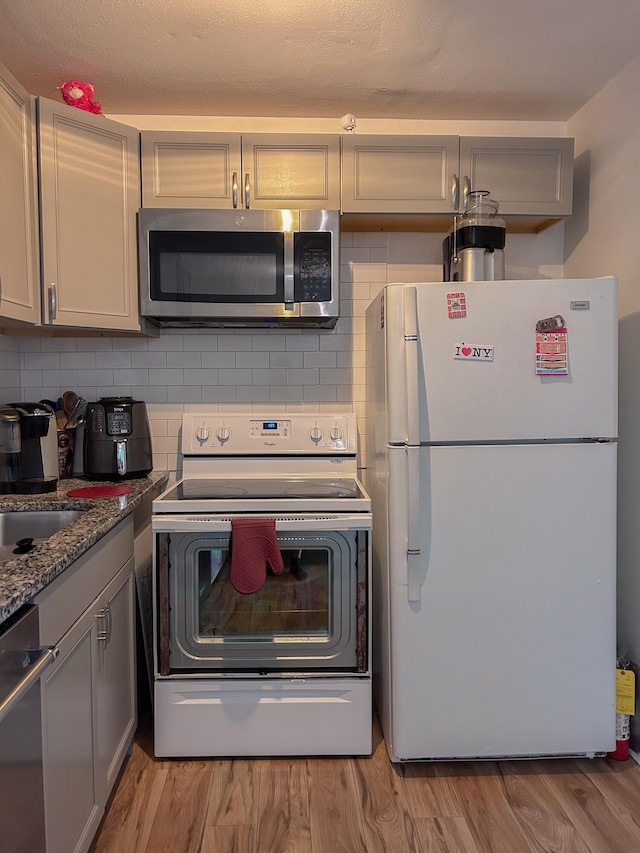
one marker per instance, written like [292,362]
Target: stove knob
[336,433]
[315,434]
[223,434]
[203,433]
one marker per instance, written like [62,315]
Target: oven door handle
[43,658]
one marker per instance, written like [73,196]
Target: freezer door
[509,648]
[473,377]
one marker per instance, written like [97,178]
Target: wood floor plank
[542,820]
[128,822]
[599,821]
[480,792]
[429,791]
[233,793]
[388,825]
[179,824]
[618,782]
[336,825]
[445,835]
[283,808]
[228,839]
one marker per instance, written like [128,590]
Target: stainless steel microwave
[202,268]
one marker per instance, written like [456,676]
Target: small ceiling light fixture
[348,122]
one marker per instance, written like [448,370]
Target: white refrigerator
[491,464]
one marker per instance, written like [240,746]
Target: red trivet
[99,491]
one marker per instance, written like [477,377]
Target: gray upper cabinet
[89,196]
[399,174]
[528,176]
[261,171]
[431,174]
[19,270]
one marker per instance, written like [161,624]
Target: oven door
[312,617]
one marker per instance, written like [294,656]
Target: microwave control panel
[313,266]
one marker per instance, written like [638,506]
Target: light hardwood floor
[348,805]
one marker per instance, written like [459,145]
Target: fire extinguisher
[625,700]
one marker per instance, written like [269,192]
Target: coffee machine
[474,248]
[10,447]
[38,466]
[117,439]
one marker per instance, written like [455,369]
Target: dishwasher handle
[42,659]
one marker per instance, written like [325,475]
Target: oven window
[216,266]
[290,605]
[304,618]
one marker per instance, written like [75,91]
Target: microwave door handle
[234,189]
[288,293]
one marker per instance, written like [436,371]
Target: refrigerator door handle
[410,306]
[414,523]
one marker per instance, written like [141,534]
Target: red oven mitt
[253,545]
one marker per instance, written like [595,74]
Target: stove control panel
[205,434]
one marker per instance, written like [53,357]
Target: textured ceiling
[418,59]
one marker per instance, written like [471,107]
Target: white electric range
[286,669]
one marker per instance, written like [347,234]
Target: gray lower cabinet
[89,710]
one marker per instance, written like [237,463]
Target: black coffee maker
[117,439]
[10,448]
[39,451]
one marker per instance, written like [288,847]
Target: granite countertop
[23,576]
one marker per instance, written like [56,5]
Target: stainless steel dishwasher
[22,663]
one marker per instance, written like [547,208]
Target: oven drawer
[243,717]
[311,617]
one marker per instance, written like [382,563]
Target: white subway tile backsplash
[41,360]
[217,359]
[219,394]
[149,359]
[86,377]
[270,376]
[237,376]
[184,394]
[201,376]
[320,393]
[131,376]
[247,370]
[252,394]
[285,359]
[247,359]
[184,359]
[174,376]
[320,359]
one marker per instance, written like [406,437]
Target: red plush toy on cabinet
[79,94]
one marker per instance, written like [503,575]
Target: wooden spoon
[69,400]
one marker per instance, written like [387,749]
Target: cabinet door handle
[247,192]
[53,302]
[109,621]
[455,192]
[234,189]
[103,632]
[466,189]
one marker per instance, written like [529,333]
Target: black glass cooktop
[285,487]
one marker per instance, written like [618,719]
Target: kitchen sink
[33,524]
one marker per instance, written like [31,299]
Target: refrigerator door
[509,646]
[473,377]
